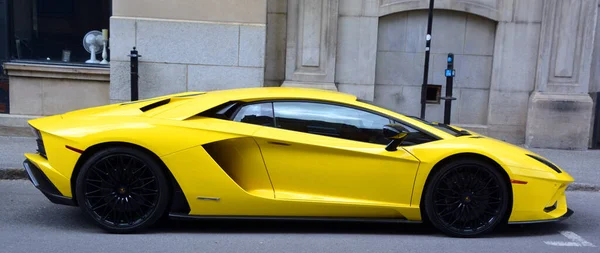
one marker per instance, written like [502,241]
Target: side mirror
[396,133]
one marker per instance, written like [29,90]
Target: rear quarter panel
[161,137]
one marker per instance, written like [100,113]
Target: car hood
[509,154]
[504,153]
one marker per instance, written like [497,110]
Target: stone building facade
[528,71]
[524,67]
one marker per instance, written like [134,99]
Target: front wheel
[122,190]
[466,198]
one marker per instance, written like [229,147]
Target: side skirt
[177,216]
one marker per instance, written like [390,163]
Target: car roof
[197,102]
[200,101]
[280,92]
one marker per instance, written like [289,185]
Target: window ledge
[40,70]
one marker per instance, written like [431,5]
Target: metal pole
[427,51]
[134,74]
[449,87]
[596,131]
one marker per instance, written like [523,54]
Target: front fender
[538,185]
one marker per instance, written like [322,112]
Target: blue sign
[450,73]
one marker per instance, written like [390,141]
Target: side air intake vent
[155,105]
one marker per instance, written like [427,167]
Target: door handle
[279,143]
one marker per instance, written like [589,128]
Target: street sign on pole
[449,73]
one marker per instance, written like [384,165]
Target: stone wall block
[201,78]
[188,42]
[252,46]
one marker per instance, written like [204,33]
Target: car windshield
[446,128]
[441,126]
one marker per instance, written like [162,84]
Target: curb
[15,131]
[16,174]
[13,174]
[583,187]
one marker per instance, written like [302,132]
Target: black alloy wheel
[467,198]
[122,190]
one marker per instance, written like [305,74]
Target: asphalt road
[12,149]
[30,223]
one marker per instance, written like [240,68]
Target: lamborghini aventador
[286,153]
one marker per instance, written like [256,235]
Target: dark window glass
[331,120]
[224,111]
[258,114]
[52,31]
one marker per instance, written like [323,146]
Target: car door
[334,153]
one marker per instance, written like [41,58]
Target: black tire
[122,190]
[466,198]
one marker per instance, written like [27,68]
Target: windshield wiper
[458,132]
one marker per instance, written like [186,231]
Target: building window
[48,30]
[4,95]
[433,94]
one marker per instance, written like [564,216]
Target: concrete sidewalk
[584,166]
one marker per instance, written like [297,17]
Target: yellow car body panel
[236,201]
[266,171]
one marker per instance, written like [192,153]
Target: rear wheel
[122,190]
[466,198]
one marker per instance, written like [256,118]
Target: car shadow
[287,227]
[337,227]
[60,217]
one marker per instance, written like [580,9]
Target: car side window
[257,114]
[331,120]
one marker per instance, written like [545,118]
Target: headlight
[546,162]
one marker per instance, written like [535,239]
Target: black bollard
[134,74]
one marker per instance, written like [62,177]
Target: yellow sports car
[286,153]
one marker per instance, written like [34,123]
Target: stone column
[516,50]
[311,43]
[560,107]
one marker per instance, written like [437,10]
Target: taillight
[35,132]
[40,143]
